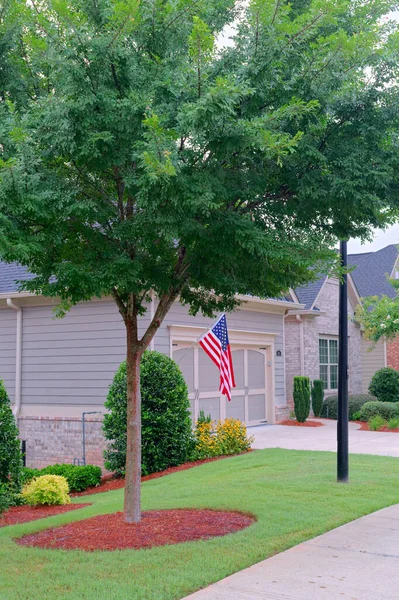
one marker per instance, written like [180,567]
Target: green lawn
[293,495]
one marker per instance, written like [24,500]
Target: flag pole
[343,416]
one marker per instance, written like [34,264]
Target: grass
[293,495]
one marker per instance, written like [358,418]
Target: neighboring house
[56,369]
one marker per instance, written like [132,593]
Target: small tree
[384,385]
[317,397]
[10,453]
[301,398]
[167,438]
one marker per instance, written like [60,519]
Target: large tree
[140,155]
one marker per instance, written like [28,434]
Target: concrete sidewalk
[358,561]
[325,438]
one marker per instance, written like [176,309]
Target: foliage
[10,452]
[375,423]
[355,403]
[386,410]
[384,385]
[46,490]
[393,423]
[5,497]
[166,422]
[301,395]
[317,397]
[379,315]
[79,477]
[203,418]
[217,438]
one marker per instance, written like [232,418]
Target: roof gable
[372,271]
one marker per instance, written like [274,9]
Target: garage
[253,397]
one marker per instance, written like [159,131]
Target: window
[328,358]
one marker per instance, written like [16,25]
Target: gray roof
[372,271]
[10,274]
[307,294]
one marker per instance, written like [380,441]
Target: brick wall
[51,440]
[393,354]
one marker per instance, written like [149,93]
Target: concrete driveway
[325,438]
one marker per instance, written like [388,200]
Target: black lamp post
[343,415]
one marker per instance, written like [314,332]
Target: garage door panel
[238,364]
[210,406]
[256,369]
[208,374]
[256,407]
[236,408]
[185,360]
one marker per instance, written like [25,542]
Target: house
[57,369]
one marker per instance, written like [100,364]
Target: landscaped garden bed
[156,528]
[293,423]
[23,514]
[384,428]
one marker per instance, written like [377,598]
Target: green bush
[167,438]
[79,477]
[10,453]
[386,410]
[301,398]
[384,385]
[46,490]
[393,423]
[375,423]
[355,403]
[317,397]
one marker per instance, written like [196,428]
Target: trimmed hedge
[10,453]
[166,433]
[386,410]
[301,398]
[317,393]
[355,402]
[46,490]
[79,477]
[384,385]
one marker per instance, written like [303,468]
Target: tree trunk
[133,442]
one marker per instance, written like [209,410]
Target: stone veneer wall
[51,440]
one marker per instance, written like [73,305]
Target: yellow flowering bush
[216,438]
[47,489]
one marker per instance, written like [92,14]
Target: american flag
[215,342]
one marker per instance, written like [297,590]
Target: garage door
[249,398]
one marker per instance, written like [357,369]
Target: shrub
[79,477]
[167,438]
[375,423]
[46,490]
[301,398]
[10,452]
[393,423]
[5,497]
[384,385]
[217,438]
[386,410]
[355,403]
[317,397]
[231,437]
[203,418]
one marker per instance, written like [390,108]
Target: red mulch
[365,427]
[109,482]
[296,424]
[23,514]
[157,528]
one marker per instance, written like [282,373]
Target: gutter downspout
[18,358]
[301,345]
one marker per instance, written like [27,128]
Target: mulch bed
[291,423]
[157,528]
[23,514]
[365,427]
[109,482]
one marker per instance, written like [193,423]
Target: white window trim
[335,339]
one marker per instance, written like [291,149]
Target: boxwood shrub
[167,438]
[79,478]
[386,410]
[384,385]
[355,402]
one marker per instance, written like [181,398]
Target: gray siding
[71,361]
[372,360]
[8,343]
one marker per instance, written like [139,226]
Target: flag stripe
[216,345]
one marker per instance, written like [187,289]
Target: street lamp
[343,414]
